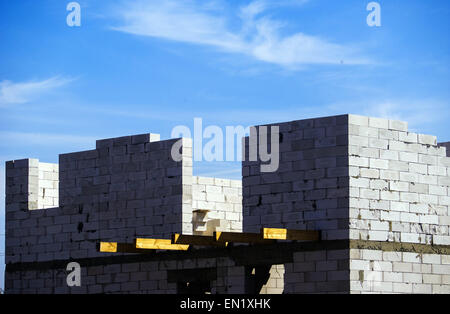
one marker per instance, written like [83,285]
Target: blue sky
[146,66]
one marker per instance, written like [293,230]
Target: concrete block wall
[21,194]
[48,185]
[310,189]
[36,183]
[217,199]
[275,283]
[366,183]
[320,271]
[136,176]
[126,188]
[447,146]
[362,179]
[377,271]
[140,277]
[399,193]
[399,183]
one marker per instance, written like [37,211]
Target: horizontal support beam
[110,247]
[289,234]
[181,242]
[159,244]
[240,237]
[196,240]
[114,247]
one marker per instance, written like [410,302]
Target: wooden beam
[110,247]
[289,234]
[240,237]
[196,240]
[201,211]
[181,242]
[114,247]
[159,244]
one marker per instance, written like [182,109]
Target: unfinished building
[371,199]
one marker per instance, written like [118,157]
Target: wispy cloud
[419,113]
[257,36]
[16,93]
[424,115]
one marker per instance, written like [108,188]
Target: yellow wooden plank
[290,234]
[274,233]
[159,244]
[108,247]
[114,247]
[240,237]
[195,240]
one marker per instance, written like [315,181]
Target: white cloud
[420,113]
[258,36]
[179,21]
[12,93]
[423,115]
